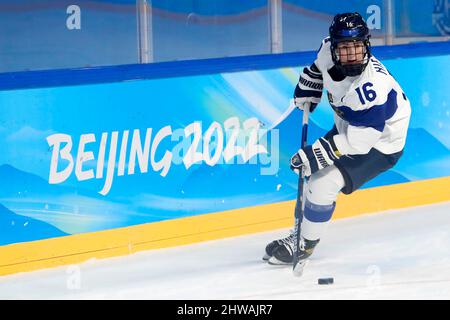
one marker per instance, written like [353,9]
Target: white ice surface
[402,254]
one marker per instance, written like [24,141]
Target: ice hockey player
[371,116]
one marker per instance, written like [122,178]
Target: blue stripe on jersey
[374,117]
[318,213]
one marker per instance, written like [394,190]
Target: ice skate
[277,243]
[283,254]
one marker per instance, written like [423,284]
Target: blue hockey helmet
[350,27]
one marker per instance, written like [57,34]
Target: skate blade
[266,257]
[275,262]
[298,269]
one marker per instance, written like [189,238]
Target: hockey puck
[325,280]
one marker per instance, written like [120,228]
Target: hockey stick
[298,266]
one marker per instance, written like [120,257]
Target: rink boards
[109,168]
[77,248]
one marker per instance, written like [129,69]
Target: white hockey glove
[309,88]
[315,157]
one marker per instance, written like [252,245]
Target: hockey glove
[315,157]
[309,88]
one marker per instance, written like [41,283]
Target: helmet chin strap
[351,70]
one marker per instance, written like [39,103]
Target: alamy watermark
[374,17]
[73,281]
[73,21]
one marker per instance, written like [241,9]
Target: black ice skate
[277,243]
[283,254]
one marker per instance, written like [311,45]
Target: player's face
[351,52]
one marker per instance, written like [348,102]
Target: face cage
[351,70]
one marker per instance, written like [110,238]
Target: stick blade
[299,267]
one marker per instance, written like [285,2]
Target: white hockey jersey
[371,110]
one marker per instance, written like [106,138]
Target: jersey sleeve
[322,58]
[310,84]
[366,109]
